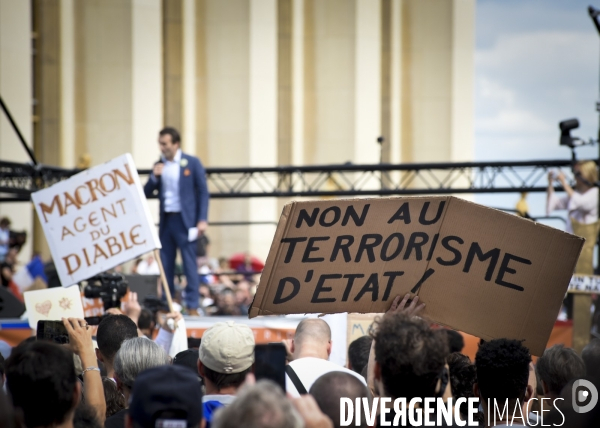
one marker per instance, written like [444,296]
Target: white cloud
[526,83]
[513,121]
[536,64]
[494,92]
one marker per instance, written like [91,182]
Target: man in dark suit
[180,182]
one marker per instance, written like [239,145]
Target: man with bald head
[310,350]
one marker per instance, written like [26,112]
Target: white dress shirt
[170,183]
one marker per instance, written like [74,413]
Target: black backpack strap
[295,380]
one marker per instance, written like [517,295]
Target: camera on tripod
[110,287]
[155,304]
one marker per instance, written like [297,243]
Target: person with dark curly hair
[410,357]
[463,376]
[502,375]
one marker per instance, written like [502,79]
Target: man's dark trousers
[173,235]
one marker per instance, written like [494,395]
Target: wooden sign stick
[163,279]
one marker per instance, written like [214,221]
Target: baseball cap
[166,396]
[227,347]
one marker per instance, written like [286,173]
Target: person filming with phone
[581,200]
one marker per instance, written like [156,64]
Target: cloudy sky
[537,63]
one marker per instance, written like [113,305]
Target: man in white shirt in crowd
[310,350]
[148,266]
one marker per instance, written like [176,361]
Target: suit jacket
[193,192]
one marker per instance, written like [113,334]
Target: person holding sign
[582,200]
[179,181]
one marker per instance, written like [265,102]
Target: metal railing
[18,181]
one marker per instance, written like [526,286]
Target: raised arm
[153,182]
[80,338]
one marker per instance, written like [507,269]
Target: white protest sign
[96,220]
[53,304]
[584,284]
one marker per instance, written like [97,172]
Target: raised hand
[411,309]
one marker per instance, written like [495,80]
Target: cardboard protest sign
[53,304]
[96,220]
[359,325]
[478,270]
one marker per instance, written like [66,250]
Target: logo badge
[585,396]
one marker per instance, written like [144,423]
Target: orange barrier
[265,331]
[261,334]
[562,333]
[15,336]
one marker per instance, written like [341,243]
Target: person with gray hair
[310,350]
[556,367]
[262,405]
[134,356]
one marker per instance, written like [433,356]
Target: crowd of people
[11,242]
[125,379]
[227,285]
[406,372]
[225,288]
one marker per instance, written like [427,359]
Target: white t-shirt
[146,269]
[309,369]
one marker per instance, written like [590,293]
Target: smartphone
[269,363]
[54,331]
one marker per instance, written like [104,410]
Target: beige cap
[227,347]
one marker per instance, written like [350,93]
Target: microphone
[160,160]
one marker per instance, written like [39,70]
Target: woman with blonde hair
[581,200]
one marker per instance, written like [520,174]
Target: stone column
[263,135]
[240,57]
[437,80]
